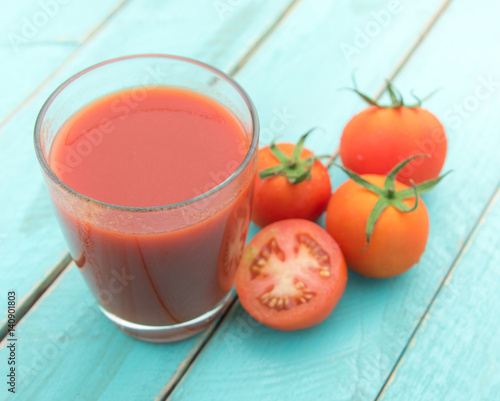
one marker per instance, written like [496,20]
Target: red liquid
[147,148]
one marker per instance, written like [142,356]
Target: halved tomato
[291,275]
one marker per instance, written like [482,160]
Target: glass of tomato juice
[149,161]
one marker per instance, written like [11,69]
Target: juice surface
[154,148]
[148,147]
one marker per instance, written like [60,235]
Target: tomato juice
[149,147]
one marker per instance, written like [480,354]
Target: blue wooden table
[430,334]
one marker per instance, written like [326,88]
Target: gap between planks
[28,302]
[37,292]
[187,364]
[418,41]
[256,46]
[403,61]
[476,225]
[195,352]
[88,38]
[34,295]
[446,279]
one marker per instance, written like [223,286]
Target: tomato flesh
[292,275]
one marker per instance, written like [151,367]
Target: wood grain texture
[292,79]
[36,36]
[350,355]
[455,354]
[30,240]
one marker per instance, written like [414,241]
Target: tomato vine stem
[293,168]
[388,196]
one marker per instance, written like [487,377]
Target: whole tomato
[381,225]
[379,137]
[291,183]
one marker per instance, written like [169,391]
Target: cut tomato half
[291,275]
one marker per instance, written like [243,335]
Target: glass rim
[54,178]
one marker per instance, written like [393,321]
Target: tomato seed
[279,304]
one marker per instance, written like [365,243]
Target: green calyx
[293,168]
[397,100]
[388,196]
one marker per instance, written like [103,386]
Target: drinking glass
[160,273]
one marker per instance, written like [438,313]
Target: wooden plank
[455,353]
[472,100]
[36,36]
[29,236]
[352,353]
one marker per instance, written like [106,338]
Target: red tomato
[398,239]
[378,138]
[275,198]
[291,275]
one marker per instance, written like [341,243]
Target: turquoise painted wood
[30,240]
[351,355]
[455,354]
[69,351]
[37,36]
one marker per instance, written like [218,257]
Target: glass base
[174,332]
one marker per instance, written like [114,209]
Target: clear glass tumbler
[161,273]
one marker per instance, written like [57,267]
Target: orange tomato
[398,239]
